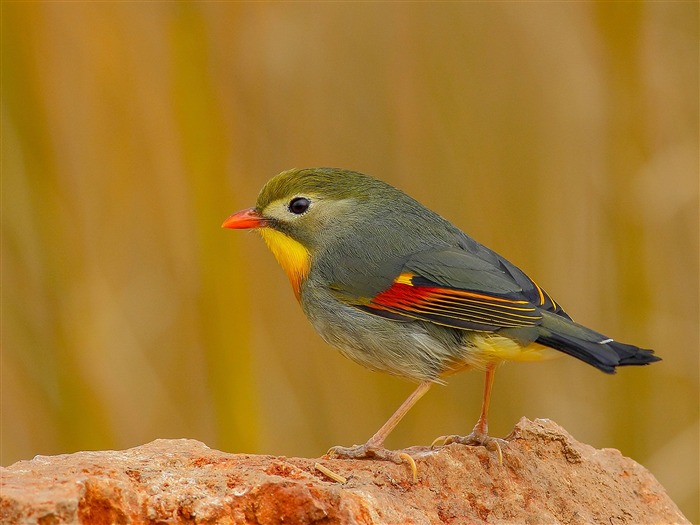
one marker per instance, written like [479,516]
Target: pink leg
[482,425]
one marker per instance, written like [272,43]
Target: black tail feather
[631,355]
[604,356]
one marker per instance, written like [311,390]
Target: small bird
[398,289]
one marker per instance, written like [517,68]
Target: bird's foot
[371,451]
[474,439]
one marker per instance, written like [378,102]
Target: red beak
[245,219]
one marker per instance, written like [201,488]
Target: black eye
[299,205]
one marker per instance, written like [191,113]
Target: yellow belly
[485,348]
[499,348]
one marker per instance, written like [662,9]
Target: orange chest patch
[292,256]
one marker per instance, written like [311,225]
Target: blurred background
[562,135]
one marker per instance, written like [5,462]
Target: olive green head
[316,205]
[327,183]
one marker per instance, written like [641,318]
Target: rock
[546,477]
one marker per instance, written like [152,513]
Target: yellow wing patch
[405,278]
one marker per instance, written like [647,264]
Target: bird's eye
[299,205]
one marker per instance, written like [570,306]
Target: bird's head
[303,211]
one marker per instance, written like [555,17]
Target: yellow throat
[293,257]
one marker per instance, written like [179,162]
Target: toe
[474,439]
[374,452]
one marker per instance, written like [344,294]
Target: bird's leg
[479,435]
[373,448]
[481,429]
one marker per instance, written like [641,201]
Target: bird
[399,289]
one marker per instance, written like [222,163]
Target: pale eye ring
[299,205]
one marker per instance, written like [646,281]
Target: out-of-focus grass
[565,136]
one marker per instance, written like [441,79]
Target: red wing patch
[452,307]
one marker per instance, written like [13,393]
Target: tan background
[563,135]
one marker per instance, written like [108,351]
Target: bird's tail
[589,346]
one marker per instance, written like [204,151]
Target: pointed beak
[245,219]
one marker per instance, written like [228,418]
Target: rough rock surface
[546,477]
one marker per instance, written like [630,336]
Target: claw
[411,463]
[499,452]
[439,439]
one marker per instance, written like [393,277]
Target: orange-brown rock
[546,477]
